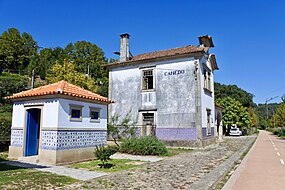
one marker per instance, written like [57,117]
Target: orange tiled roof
[163,53]
[61,87]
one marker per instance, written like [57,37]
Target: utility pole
[33,79]
[266,104]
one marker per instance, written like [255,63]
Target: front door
[32,132]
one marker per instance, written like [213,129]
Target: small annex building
[58,123]
[170,91]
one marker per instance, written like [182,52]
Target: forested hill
[233,91]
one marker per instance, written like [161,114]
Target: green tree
[90,59]
[279,116]
[234,113]
[9,84]
[16,50]
[46,59]
[253,116]
[67,72]
[223,91]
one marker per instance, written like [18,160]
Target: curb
[210,180]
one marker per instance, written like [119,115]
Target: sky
[249,35]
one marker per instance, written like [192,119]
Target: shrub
[103,153]
[279,131]
[148,145]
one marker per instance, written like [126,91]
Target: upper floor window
[147,79]
[207,80]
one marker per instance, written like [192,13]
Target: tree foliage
[67,72]
[16,50]
[279,117]
[233,91]
[10,84]
[234,113]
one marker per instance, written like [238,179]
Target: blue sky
[249,35]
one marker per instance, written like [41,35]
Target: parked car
[235,132]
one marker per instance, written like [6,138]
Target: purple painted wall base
[204,133]
[176,134]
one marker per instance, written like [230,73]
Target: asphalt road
[263,167]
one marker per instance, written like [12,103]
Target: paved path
[263,167]
[59,170]
[177,172]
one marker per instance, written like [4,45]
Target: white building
[172,90]
[58,123]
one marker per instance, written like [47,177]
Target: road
[263,167]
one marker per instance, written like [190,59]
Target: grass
[94,165]
[176,151]
[13,177]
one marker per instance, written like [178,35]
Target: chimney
[206,41]
[124,47]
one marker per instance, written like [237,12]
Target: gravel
[177,172]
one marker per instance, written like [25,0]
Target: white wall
[64,118]
[50,108]
[174,96]
[207,100]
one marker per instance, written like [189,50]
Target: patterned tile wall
[204,133]
[71,139]
[17,136]
[172,134]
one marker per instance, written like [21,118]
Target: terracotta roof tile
[163,53]
[61,87]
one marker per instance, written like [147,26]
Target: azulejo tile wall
[176,134]
[17,137]
[71,139]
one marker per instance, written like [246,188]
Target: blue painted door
[32,132]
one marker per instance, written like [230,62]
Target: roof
[63,88]
[163,53]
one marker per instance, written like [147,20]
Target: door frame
[26,108]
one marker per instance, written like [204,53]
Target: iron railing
[134,131]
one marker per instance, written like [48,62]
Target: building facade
[58,123]
[172,90]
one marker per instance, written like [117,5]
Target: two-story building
[172,90]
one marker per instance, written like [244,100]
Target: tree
[16,50]
[223,91]
[279,116]
[253,116]
[90,59]
[46,59]
[67,72]
[11,83]
[234,113]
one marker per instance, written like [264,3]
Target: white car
[235,132]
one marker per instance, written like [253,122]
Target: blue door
[32,132]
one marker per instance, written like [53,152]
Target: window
[75,113]
[94,114]
[209,122]
[207,80]
[147,79]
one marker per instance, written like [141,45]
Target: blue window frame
[75,112]
[94,114]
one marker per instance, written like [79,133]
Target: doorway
[148,124]
[32,132]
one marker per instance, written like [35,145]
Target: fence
[134,131]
